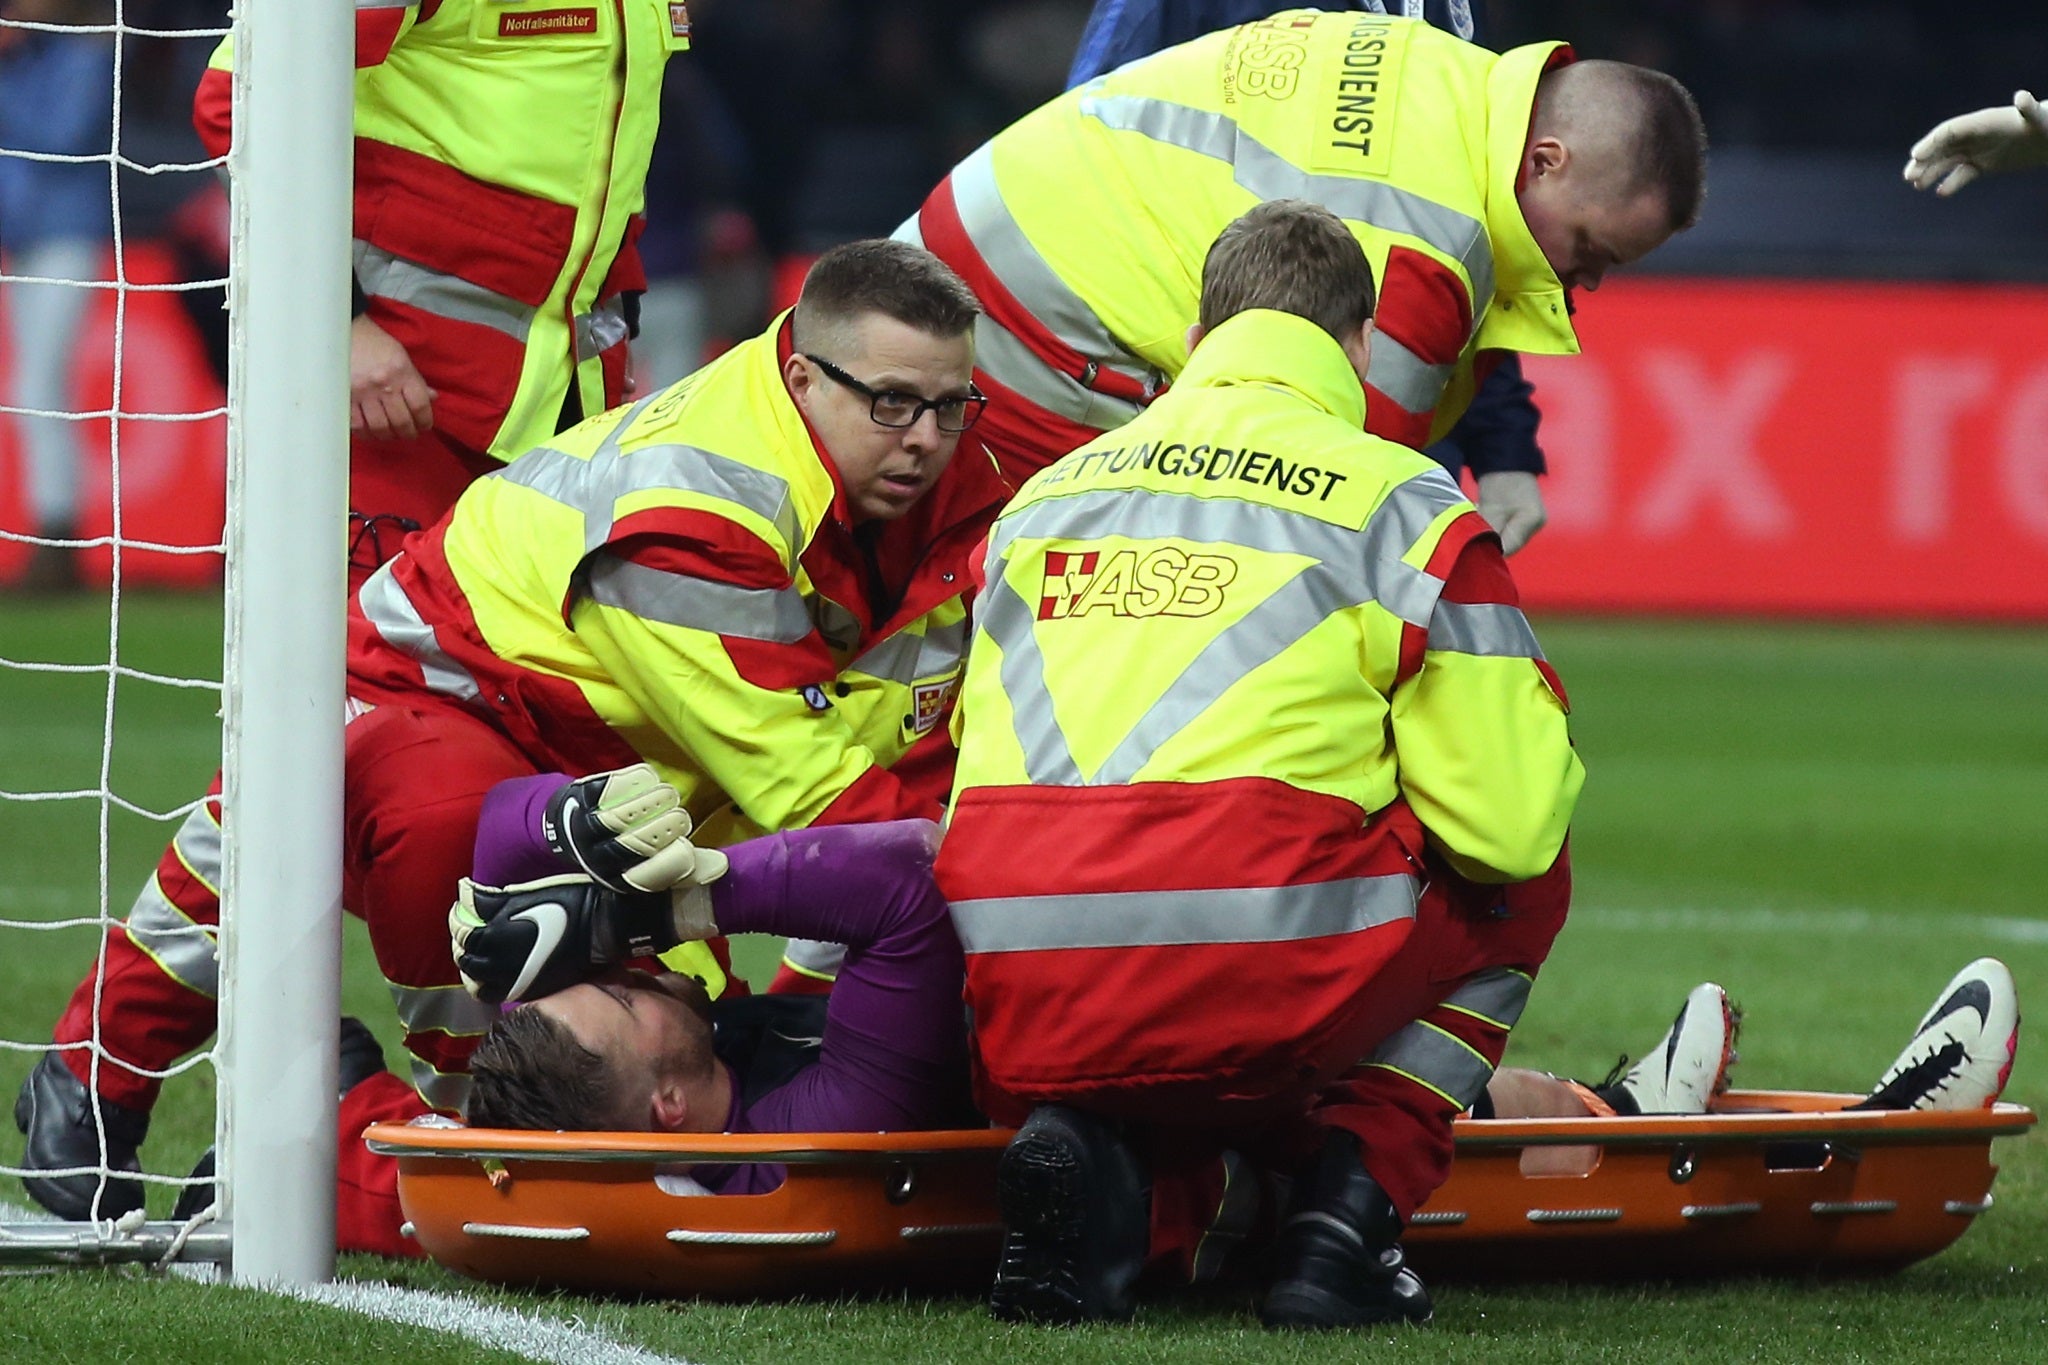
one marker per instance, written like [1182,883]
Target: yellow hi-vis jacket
[1083,227]
[1234,664]
[678,581]
[501,154]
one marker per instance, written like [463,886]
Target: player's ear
[669,1109]
[1195,334]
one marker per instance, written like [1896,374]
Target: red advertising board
[1839,449]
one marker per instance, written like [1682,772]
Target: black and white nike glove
[628,829]
[530,940]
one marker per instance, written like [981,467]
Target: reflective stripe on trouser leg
[443,1025]
[1437,1061]
[152,1000]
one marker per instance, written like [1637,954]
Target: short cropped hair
[881,275]
[1671,152]
[531,1073]
[1294,257]
[1647,115]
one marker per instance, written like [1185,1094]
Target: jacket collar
[1280,350]
[1529,310]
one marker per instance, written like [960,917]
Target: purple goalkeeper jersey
[893,1054]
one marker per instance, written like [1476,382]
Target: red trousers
[1439,994]
[156,993]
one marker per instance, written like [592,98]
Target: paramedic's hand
[1512,505]
[522,942]
[628,829]
[1958,151]
[388,399]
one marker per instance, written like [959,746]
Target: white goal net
[114,435]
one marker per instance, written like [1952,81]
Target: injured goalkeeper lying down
[575,880]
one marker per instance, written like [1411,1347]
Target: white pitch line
[531,1335]
[524,1334]
[1816,920]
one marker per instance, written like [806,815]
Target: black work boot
[1076,1214]
[362,1057]
[55,1112]
[1338,1261]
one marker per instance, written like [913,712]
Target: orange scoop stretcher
[1770,1182]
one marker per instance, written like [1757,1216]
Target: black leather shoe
[1338,1261]
[55,1112]
[1075,1215]
[361,1058]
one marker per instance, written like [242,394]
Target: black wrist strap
[358,301]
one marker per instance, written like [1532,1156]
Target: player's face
[1583,226]
[884,469]
[635,1021]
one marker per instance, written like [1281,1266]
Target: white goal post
[284,669]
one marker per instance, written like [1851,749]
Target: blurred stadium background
[1827,405]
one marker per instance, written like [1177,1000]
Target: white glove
[629,831]
[2007,138]
[1512,505]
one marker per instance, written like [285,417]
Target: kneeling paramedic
[1245,682]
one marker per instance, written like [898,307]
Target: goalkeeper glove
[522,942]
[628,829]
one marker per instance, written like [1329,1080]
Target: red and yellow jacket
[1238,670]
[501,153]
[679,581]
[1083,227]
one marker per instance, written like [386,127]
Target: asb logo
[1161,582]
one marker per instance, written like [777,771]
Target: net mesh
[97,358]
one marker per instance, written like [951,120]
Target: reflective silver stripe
[602,328]
[1404,376]
[441,1089]
[1144,919]
[1491,629]
[1427,1055]
[595,485]
[442,1009]
[812,958]
[776,615]
[1048,757]
[1496,996]
[1001,356]
[904,658]
[1270,176]
[198,845]
[385,276]
[187,951]
[394,617]
[1011,257]
[1255,639]
[386,4]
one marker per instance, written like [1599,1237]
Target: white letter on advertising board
[1929,394]
[1714,455]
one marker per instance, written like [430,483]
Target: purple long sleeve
[895,1047]
[510,847]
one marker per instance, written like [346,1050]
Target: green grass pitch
[1827,820]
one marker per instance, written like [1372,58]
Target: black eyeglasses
[893,408]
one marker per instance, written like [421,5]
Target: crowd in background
[801,123]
